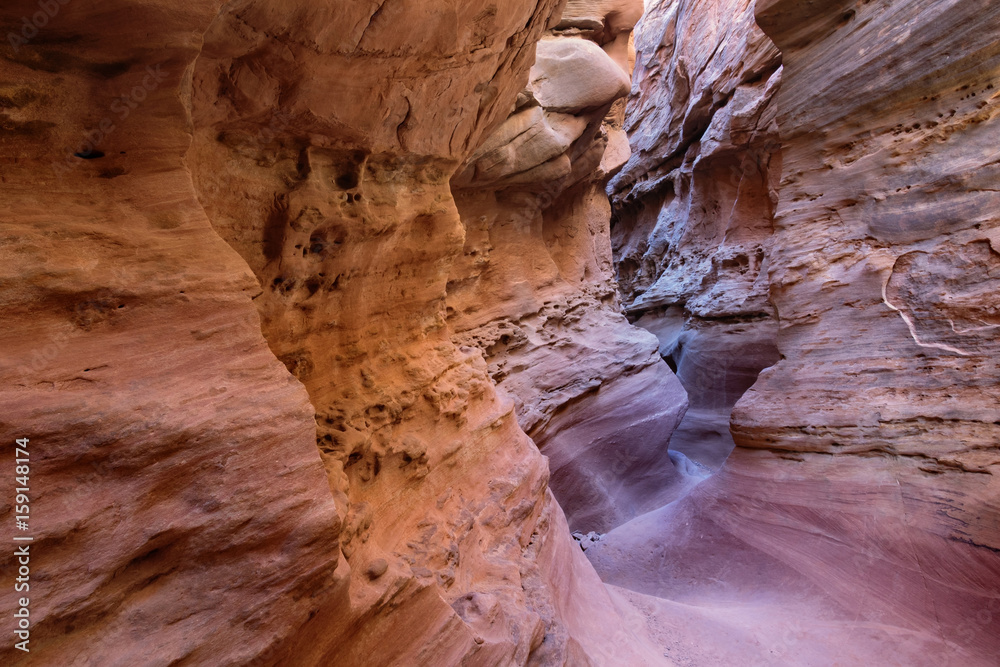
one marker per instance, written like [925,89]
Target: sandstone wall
[535,289]
[864,480]
[694,205]
[179,507]
[883,273]
[353,486]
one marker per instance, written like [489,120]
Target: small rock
[377,568]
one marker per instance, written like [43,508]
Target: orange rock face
[349,221]
[257,439]
[179,509]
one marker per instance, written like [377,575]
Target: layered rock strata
[179,510]
[694,205]
[535,290]
[864,480]
[348,219]
[884,272]
[353,486]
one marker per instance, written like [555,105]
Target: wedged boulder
[562,65]
[534,289]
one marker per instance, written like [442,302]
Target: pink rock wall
[863,484]
[179,509]
[881,273]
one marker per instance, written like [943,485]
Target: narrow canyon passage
[520,332]
[804,196]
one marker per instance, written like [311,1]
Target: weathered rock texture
[182,511]
[885,249]
[535,289]
[864,484]
[884,273]
[694,205]
[179,507]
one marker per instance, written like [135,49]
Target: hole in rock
[347,181]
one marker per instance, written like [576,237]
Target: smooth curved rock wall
[882,272]
[347,484]
[179,508]
[863,483]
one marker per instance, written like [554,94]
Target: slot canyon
[385,333]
